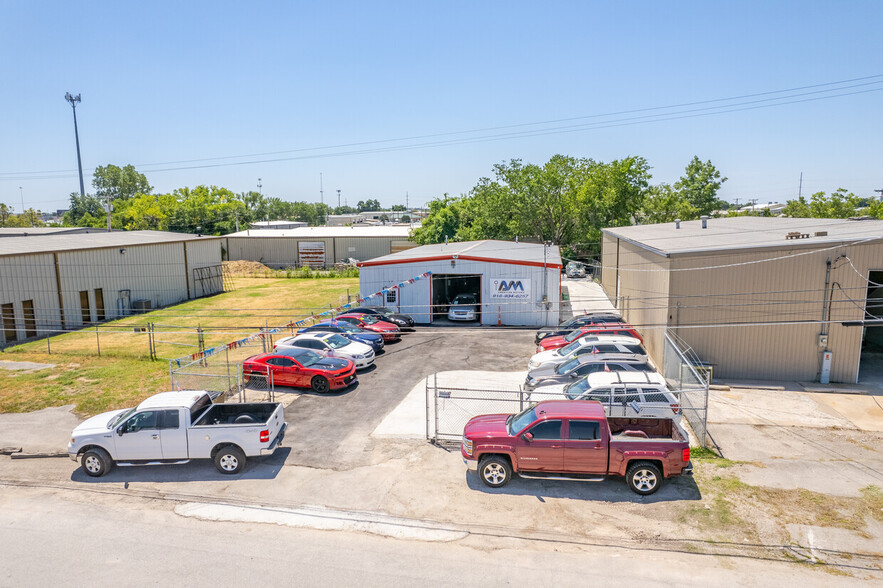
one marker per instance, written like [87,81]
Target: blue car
[349,331]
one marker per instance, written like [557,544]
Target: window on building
[85,309]
[392,296]
[99,304]
[27,309]
[7,312]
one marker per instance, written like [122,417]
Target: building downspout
[186,270]
[58,285]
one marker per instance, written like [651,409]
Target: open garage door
[446,286]
[870,369]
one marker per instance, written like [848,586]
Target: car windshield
[305,357]
[337,341]
[566,367]
[574,335]
[348,328]
[369,320]
[464,299]
[576,389]
[120,417]
[568,349]
[521,420]
[383,310]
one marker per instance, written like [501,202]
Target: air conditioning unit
[142,305]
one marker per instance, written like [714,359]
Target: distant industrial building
[46,231]
[278,224]
[757,298]
[375,217]
[514,283]
[53,282]
[316,246]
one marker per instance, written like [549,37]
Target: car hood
[546,370]
[98,423]
[542,357]
[330,364]
[356,347]
[553,342]
[488,425]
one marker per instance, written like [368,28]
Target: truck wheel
[643,478]
[96,462]
[494,471]
[319,384]
[230,460]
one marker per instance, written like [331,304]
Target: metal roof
[29,231]
[384,231]
[98,240]
[747,232]
[487,250]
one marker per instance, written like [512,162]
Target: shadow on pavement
[610,490]
[200,470]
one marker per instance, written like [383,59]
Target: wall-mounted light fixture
[122,250]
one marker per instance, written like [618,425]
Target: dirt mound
[246,268]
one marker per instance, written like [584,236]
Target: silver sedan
[583,365]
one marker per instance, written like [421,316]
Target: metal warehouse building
[316,246]
[757,298]
[515,283]
[66,281]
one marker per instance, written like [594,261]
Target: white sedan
[331,345]
[464,307]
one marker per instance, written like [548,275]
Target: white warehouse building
[515,284]
[66,281]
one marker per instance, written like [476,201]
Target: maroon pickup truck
[574,440]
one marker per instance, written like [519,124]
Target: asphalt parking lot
[333,430]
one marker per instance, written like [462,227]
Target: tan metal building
[755,297]
[316,246]
[66,281]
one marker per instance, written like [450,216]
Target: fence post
[98,340]
[171,376]
[48,345]
[426,384]
[227,360]
[435,394]
[200,340]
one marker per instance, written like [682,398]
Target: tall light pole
[338,199]
[74,100]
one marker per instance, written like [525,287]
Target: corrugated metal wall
[281,252]
[719,312]
[415,298]
[153,272]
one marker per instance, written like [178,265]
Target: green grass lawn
[124,374]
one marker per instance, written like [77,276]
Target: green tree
[368,205]
[700,184]
[115,183]
[442,223]
[5,213]
[663,204]
[840,204]
[398,208]
[345,210]
[81,206]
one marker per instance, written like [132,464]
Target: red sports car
[389,331]
[303,368]
[624,329]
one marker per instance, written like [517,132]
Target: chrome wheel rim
[229,463]
[644,480]
[92,463]
[494,473]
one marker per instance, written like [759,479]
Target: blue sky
[165,82]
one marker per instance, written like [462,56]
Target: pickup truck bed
[230,414]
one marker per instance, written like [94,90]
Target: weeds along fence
[450,405]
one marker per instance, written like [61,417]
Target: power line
[782,100]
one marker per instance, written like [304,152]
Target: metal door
[545,452]
[140,438]
[173,436]
[584,450]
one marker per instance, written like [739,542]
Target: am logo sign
[517,289]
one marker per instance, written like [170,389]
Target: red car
[389,331]
[623,329]
[303,368]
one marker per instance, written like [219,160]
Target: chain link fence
[684,371]
[221,373]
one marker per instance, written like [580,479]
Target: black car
[383,313]
[597,318]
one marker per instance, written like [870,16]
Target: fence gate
[220,374]
[684,371]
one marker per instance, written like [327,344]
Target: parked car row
[325,356]
[597,356]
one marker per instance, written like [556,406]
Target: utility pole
[321,192]
[880,190]
[22,194]
[406,201]
[74,100]
[259,187]
[800,187]
[109,208]
[737,202]
[338,199]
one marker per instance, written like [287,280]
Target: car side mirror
[574,375]
[120,431]
[527,437]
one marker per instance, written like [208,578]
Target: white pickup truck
[175,427]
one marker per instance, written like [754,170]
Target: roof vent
[821,233]
[677,223]
[704,220]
